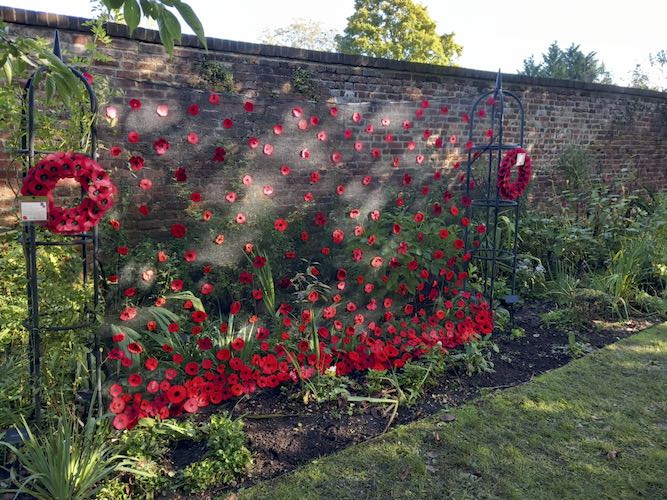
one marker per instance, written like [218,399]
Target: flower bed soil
[283,433]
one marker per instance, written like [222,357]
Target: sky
[495,35]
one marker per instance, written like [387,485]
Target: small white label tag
[33,208]
[520,159]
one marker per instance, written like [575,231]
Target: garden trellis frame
[486,204]
[88,243]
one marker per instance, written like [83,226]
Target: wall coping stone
[57,21]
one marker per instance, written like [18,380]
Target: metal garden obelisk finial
[56,45]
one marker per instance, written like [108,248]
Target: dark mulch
[284,433]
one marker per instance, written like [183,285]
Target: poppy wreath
[44,176]
[508,189]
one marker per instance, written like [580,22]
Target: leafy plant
[226,457]
[217,75]
[67,459]
[476,356]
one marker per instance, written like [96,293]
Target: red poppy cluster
[508,189]
[42,179]
[388,288]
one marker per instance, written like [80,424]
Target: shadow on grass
[596,428]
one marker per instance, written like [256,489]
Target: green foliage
[302,81]
[151,437]
[159,10]
[14,399]
[653,76]
[19,56]
[476,356]
[568,64]
[302,34]
[68,459]
[517,333]
[113,489]
[151,441]
[396,29]
[216,75]
[226,458]
[65,355]
[562,318]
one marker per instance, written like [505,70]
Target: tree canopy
[396,29]
[568,64]
[302,34]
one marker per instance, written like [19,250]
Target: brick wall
[624,129]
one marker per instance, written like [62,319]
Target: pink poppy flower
[376,153]
[285,170]
[366,180]
[161,146]
[145,184]
[419,159]
[230,197]
[253,142]
[356,117]
[240,218]
[424,104]
[452,139]
[322,135]
[336,157]
[305,154]
[214,98]
[247,180]
[308,197]
[302,124]
[192,138]
[267,190]
[333,111]
[314,121]
[297,112]
[190,255]
[396,162]
[369,129]
[340,190]
[111,112]
[268,149]
[162,110]
[411,145]
[419,113]
[314,177]
[347,134]
[358,146]
[277,129]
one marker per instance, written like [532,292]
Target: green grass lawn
[596,428]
